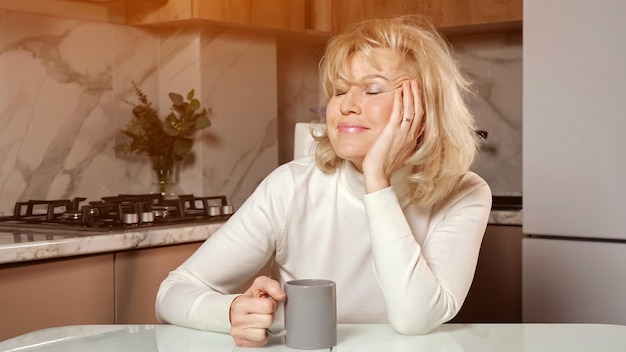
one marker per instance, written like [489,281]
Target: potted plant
[166,141]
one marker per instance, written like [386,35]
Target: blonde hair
[447,145]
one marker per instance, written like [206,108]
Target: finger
[396,110]
[252,321]
[243,342]
[418,110]
[248,305]
[408,107]
[249,337]
[263,286]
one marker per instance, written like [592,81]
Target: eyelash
[373,92]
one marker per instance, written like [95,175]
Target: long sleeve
[395,263]
[426,276]
[198,293]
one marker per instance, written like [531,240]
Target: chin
[350,156]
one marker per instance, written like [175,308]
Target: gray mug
[310,314]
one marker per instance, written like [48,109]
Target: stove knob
[130,218]
[214,211]
[147,216]
[227,210]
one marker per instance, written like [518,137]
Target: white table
[351,338]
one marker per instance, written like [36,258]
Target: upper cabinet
[288,15]
[346,12]
[444,14]
[461,13]
[304,18]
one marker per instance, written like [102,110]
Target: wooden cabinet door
[286,15]
[273,14]
[149,12]
[346,12]
[496,292]
[50,293]
[138,274]
[458,13]
[442,13]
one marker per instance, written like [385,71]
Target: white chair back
[303,142]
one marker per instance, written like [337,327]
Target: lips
[350,128]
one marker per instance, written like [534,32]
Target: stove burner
[121,212]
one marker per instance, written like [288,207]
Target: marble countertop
[506,217]
[28,245]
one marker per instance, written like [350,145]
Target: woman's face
[360,108]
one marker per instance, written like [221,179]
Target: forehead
[385,62]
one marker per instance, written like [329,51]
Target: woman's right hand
[253,312]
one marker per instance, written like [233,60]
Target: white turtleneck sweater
[393,261]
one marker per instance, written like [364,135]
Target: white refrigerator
[574,163]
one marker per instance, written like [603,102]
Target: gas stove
[121,213]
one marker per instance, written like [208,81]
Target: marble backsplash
[493,61]
[64,81]
[61,106]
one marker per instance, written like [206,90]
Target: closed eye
[373,90]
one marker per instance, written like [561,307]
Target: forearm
[424,284]
[416,300]
[181,301]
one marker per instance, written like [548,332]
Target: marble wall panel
[298,90]
[493,61]
[239,81]
[135,59]
[64,84]
[55,108]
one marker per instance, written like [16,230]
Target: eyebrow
[364,78]
[374,77]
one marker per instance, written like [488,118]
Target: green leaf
[195,104]
[202,122]
[171,126]
[190,95]
[180,109]
[182,147]
[176,98]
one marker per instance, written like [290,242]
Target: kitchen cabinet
[442,13]
[317,19]
[462,13]
[346,12]
[138,275]
[89,10]
[287,15]
[496,292]
[50,293]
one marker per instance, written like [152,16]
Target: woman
[387,207]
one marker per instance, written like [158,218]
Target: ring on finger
[407,119]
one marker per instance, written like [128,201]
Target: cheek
[332,109]
[379,107]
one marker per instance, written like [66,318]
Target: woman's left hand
[397,141]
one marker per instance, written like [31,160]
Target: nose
[351,102]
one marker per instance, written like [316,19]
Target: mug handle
[280,333]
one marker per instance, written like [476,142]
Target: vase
[166,173]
